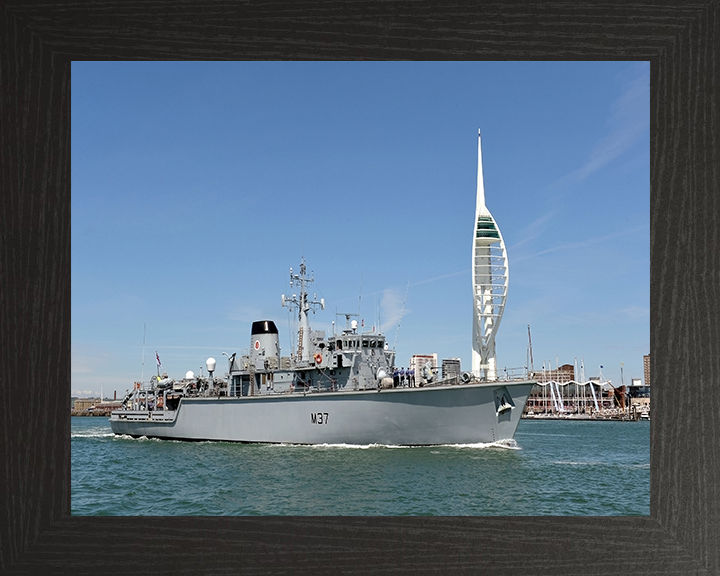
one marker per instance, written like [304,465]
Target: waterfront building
[540,400]
[84,404]
[640,394]
[640,404]
[93,406]
[562,374]
[450,368]
[568,395]
[418,361]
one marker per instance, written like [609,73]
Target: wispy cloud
[599,318]
[244,314]
[391,307]
[636,312]
[575,246]
[392,301]
[535,229]
[628,121]
[82,365]
[88,360]
[460,273]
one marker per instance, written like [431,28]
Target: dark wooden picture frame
[38,42]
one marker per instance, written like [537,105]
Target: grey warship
[336,389]
[340,389]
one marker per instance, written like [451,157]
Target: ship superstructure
[346,361]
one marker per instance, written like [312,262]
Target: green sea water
[554,467]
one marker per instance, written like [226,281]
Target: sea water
[553,467]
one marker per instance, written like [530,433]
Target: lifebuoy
[318,358]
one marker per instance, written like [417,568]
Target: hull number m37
[319,417]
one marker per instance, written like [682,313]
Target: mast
[304,306]
[532,368]
[490,282]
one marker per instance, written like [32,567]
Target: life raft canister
[318,358]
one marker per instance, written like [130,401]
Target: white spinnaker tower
[490,282]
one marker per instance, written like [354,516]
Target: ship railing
[469,377]
[512,374]
[462,378]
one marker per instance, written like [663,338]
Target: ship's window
[372,343]
[339,344]
[365,343]
[235,386]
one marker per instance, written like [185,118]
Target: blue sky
[197,186]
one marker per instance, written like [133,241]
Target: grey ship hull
[451,414]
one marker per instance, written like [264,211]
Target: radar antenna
[347,315]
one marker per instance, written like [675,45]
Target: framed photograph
[39,46]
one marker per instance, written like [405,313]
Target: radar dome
[210,363]
[189,375]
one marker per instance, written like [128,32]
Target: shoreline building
[541,398]
[418,361]
[640,390]
[564,390]
[489,280]
[451,368]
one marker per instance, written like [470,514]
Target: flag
[158,359]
